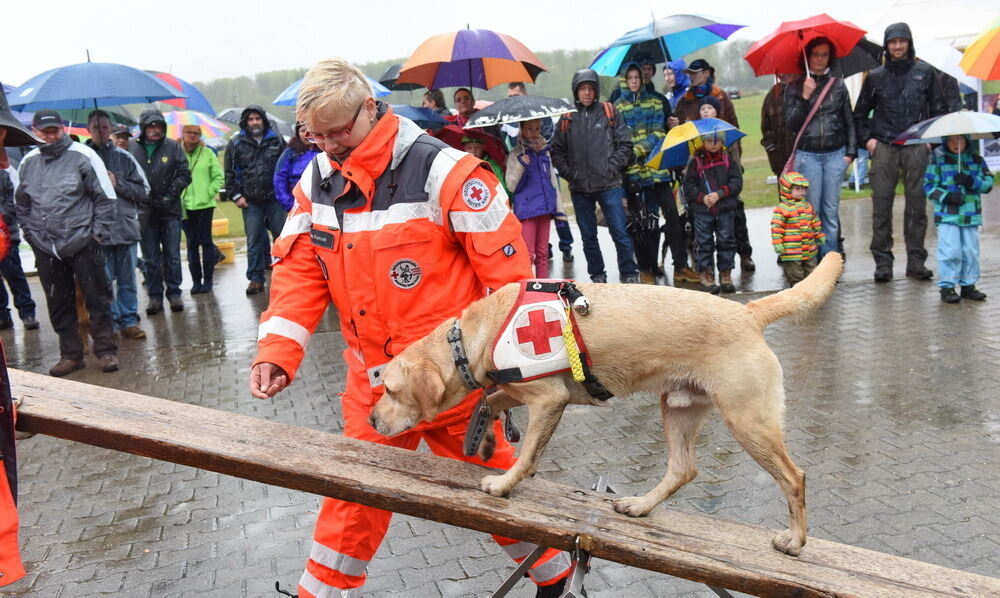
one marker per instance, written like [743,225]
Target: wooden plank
[704,549]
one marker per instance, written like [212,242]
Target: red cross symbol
[476,193]
[538,332]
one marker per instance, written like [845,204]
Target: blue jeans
[161,252]
[862,162]
[565,234]
[258,219]
[119,263]
[614,214]
[824,171]
[13,272]
[957,255]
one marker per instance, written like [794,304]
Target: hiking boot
[30,323]
[197,288]
[568,256]
[219,256]
[133,332]
[706,282]
[598,278]
[647,277]
[630,278]
[155,306]
[66,367]
[685,274]
[950,296]
[746,263]
[255,287]
[883,273]
[920,272]
[176,304]
[726,282]
[109,362]
[971,292]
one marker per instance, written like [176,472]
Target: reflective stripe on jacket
[402,235]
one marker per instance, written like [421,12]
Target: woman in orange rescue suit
[400,232]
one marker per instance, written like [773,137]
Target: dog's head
[414,392]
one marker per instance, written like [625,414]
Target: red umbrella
[783,50]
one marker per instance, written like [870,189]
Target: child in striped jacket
[796,232]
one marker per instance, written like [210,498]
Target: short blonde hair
[331,81]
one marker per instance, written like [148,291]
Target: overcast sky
[200,40]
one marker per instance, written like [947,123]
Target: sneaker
[971,292]
[568,256]
[883,273]
[155,306]
[598,278]
[726,282]
[706,282]
[133,332]
[747,264]
[109,362]
[630,278]
[920,272]
[685,274]
[255,287]
[66,367]
[30,323]
[176,304]
[949,295]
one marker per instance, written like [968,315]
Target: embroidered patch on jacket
[164,159]
[509,250]
[405,273]
[539,332]
[475,194]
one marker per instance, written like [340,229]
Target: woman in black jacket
[828,144]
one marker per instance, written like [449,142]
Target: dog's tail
[804,297]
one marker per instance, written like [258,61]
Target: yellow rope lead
[572,349]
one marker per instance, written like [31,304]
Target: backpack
[609,111]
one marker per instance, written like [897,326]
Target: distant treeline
[262,88]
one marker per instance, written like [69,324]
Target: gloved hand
[964,180]
[954,198]
[779,248]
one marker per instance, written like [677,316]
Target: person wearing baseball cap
[72,184]
[120,134]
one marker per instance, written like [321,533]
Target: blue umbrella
[662,40]
[88,85]
[424,117]
[291,93]
[675,148]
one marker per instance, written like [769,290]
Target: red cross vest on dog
[530,343]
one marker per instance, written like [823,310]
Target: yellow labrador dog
[692,349]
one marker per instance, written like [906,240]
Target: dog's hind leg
[543,416]
[680,426]
[759,433]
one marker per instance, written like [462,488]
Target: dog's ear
[427,388]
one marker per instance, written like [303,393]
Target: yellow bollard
[228,249]
[220,227]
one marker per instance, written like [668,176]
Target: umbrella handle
[805,61]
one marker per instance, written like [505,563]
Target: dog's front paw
[487,446]
[633,506]
[786,543]
[495,485]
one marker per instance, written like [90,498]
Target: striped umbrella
[982,57]
[195,100]
[977,125]
[471,58]
[675,149]
[210,127]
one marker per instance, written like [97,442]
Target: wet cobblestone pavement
[892,411]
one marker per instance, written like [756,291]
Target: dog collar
[459,357]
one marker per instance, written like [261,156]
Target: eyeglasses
[321,137]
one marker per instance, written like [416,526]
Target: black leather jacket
[832,127]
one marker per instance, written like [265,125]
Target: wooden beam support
[703,549]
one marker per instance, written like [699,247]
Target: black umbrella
[389,77]
[518,109]
[232,115]
[17,134]
[865,56]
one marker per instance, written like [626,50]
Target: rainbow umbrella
[982,57]
[675,150]
[210,127]
[195,100]
[471,58]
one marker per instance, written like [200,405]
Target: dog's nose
[372,421]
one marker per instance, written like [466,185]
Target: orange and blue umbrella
[470,58]
[982,57]
[195,100]
[662,40]
[210,127]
